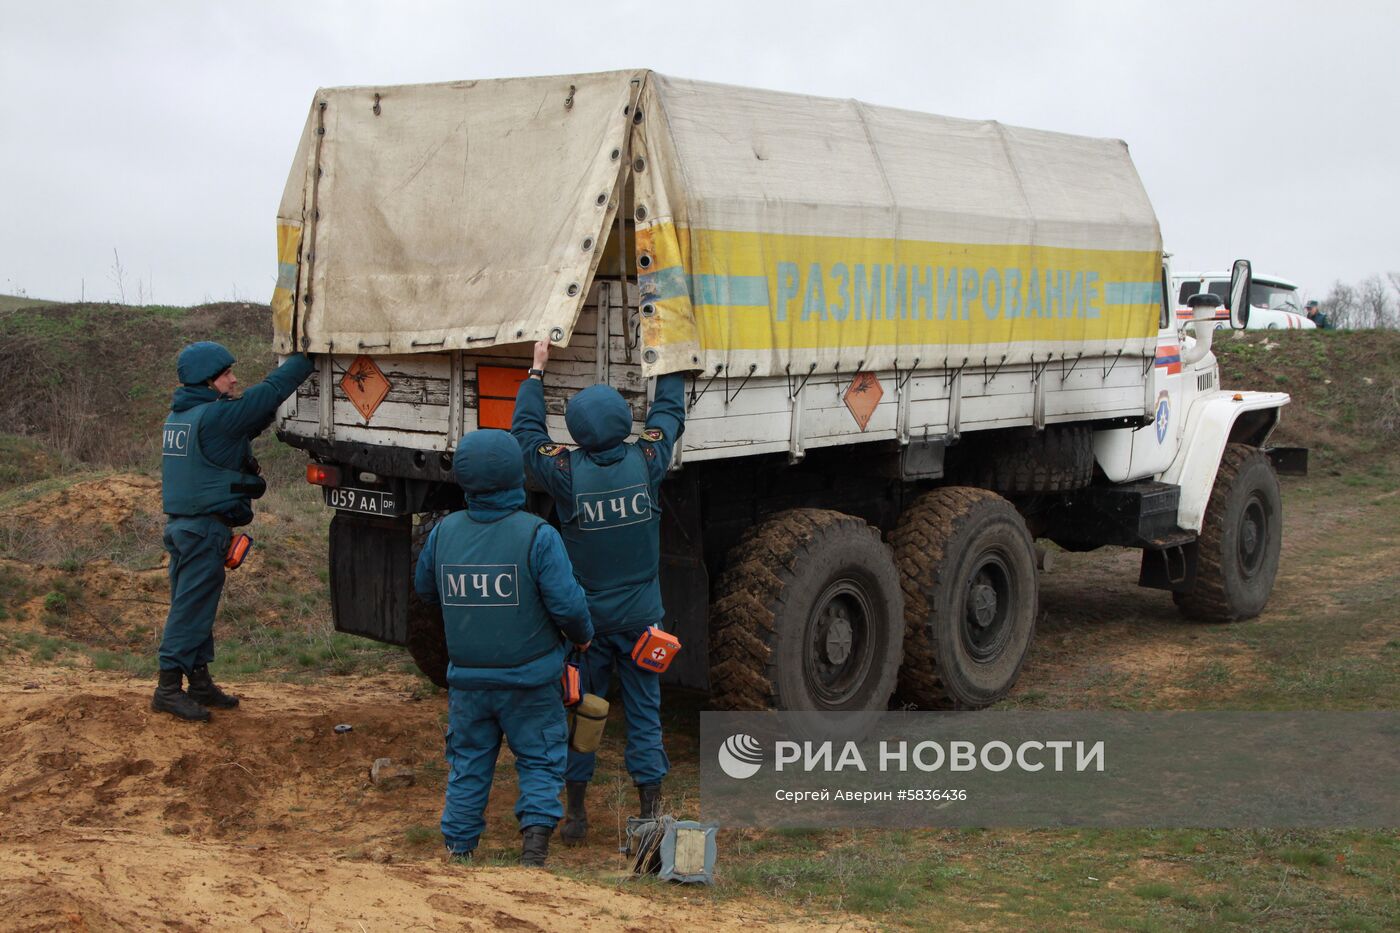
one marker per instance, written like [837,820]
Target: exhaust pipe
[1203,326]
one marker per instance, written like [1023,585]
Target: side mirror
[1241,284]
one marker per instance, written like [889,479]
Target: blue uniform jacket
[228,428]
[562,596]
[602,441]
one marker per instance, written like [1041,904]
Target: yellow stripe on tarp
[284,294]
[817,292]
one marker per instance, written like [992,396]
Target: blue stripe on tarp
[287,275]
[712,290]
[730,290]
[1132,293]
[1164,360]
[663,284]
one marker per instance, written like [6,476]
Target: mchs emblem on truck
[912,352]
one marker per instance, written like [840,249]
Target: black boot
[534,845]
[203,691]
[169,698]
[575,828]
[649,796]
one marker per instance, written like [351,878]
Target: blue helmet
[598,418]
[202,361]
[488,461]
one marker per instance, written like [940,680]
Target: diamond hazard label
[365,386]
[861,397]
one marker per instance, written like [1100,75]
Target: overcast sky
[165,130]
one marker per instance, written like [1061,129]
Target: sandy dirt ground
[112,817]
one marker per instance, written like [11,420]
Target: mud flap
[1288,461]
[685,585]
[371,576]
[1169,568]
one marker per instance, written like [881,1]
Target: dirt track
[116,818]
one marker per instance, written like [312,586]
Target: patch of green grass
[16,302]
[1303,858]
[248,649]
[142,664]
[1212,676]
[423,835]
[1073,879]
[14,590]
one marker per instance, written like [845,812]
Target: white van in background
[1275,303]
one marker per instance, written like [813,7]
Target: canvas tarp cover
[785,231]
[448,216]
[775,232]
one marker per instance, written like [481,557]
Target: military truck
[914,345]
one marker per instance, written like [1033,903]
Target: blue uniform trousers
[641,706]
[197,548]
[533,722]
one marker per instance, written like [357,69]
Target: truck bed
[730,416]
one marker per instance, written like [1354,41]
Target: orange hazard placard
[861,397]
[365,385]
[496,387]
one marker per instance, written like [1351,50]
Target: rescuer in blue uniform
[208,481]
[606,496]
[509,600]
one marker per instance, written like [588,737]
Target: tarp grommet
[572,290]
[601,199]
[587,244]
[637,116]
[644,260]
[556,334]
[639,164]
[641,212]
[649,355]
[616,154]
[648,309]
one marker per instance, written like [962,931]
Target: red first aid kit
[571,685]
[238,549]
[655,649]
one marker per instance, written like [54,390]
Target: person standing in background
[1314,313]
[209,479]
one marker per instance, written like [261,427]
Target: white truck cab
[1275,302]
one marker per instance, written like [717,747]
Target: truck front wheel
[808,616]
[967,565]
[1241,538]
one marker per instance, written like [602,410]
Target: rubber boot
[574,830]
[203,691]
[534,845]
[170,698]
[649,796]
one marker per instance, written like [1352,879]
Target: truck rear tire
[1057,459]
[1240,542]
[967,564]
[427,639]
[808,616]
